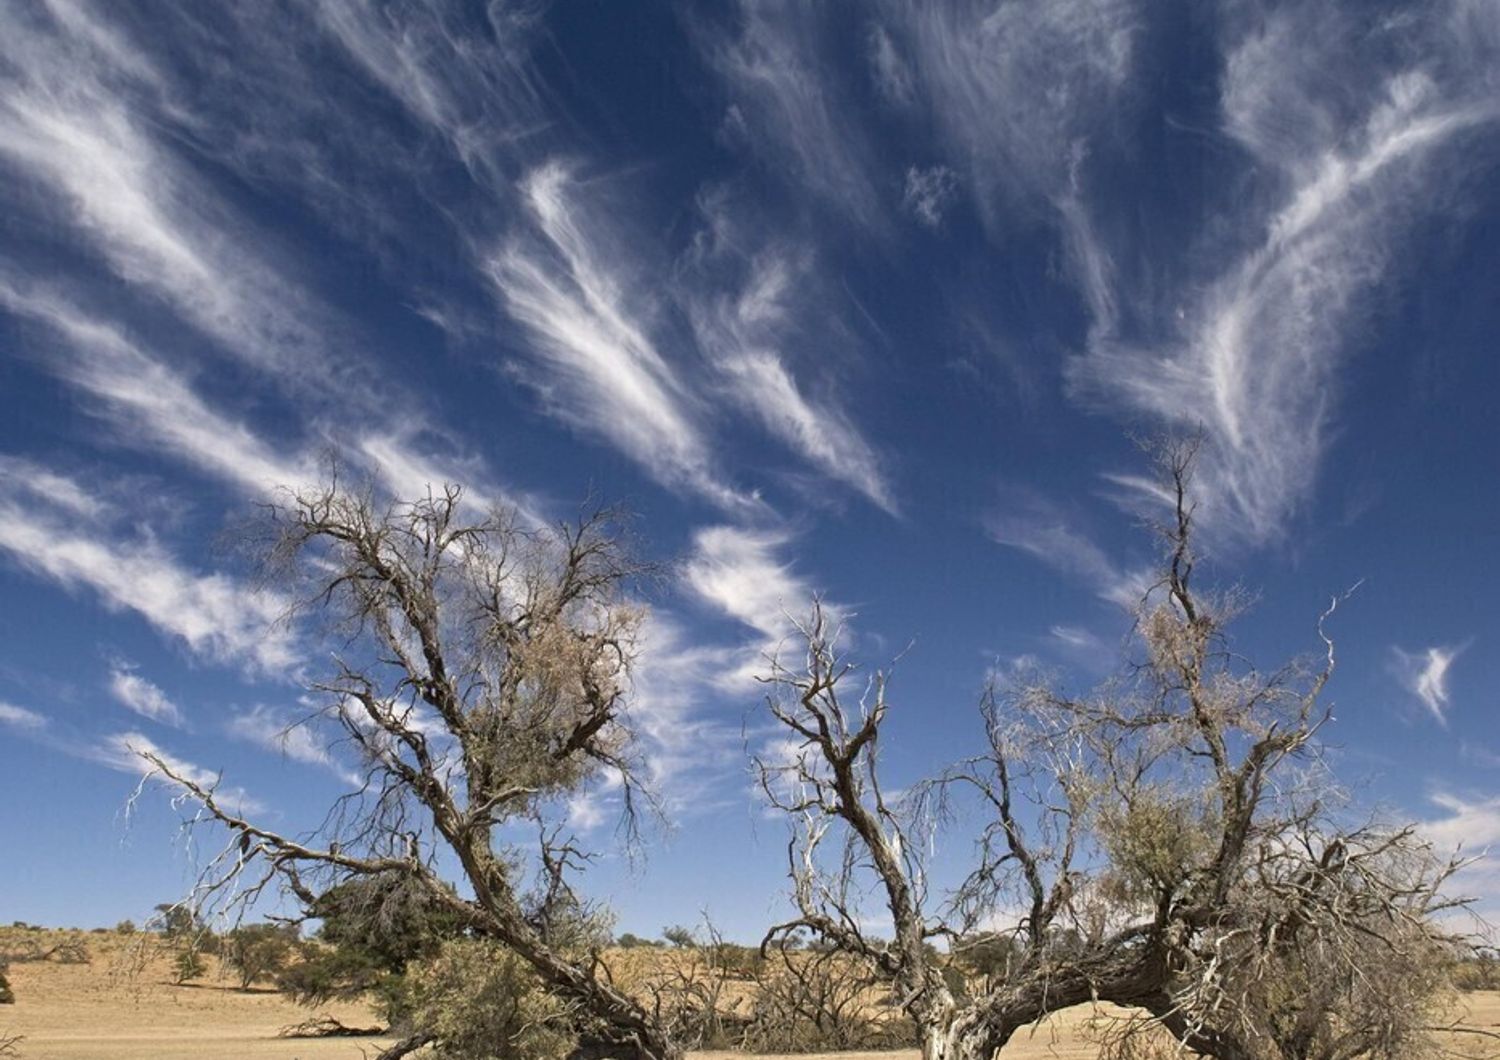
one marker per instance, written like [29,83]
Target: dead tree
[481,675]
[1163,845]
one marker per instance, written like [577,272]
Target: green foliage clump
[372,928]
[480,1002]
[1154,841]
[188,965]
[177,921]
[259,951]
[1481,971]
[125,927]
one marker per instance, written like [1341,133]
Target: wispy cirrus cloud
[1348,164]
[1017,90]
[215,615]
[142,696]
[149,402]
[463,71]
[42,485]
[687,747]
[1424,675]
[1467,822]
[754,303]
[128,752]
[295,737]
[1031,524]
[152,405]
[790,113]
[590,357]
[21,718]
[741,573]
[84,130]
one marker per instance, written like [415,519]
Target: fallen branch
[328,1027]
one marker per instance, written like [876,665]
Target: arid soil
[123,1005]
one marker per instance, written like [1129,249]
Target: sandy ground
[118,1008]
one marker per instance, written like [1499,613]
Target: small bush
[481,1002]
[7,995]
[188,965]
[258,951]
[1480,972]
[125,927]
[328,973]
[72,951]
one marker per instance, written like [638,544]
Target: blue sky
[861,299]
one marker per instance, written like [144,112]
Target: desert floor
[120,1007]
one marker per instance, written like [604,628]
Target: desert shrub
[327,973]
[1479,972]
[679,936]
[188,965]
[628,941]
[125,927]
[978,960]
[372,928]
[7,995]
[479,1001]
[175,920]
[259,951]
[738,962]
[24,951]
[822,1002]
[69,951]
[31,950]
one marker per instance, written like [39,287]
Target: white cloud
[409,468]
[739,572]
[143,697]
[1470,824]
[600,369]
[755,302]
[295,738]
[43,485]
[689,704]
[1039,528]
[791,112]
[215,615]
[480,99]
[586,811]
[126,752]
[21,718]
[75,128]
[1077,639]
[889,69]
[149,402]
[928,192]
[1254,354]
[822,433]
[1424,674]
[1017,88]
